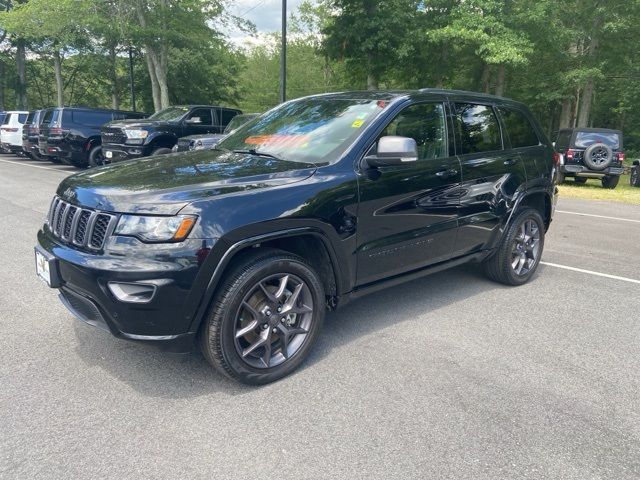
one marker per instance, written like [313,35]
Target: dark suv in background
[72,134]
[30,132]
[590,153]
[159,133]
[318,202]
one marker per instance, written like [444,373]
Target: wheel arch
[162,140]
[309,243]
[540,201]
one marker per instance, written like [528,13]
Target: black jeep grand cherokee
[314,203]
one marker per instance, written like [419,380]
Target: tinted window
[22,117]
[477,128]
[519,128]
[7,119]
[227,115]
[586,139]
[91,119]
[204,114]
[50,116]
[425,123]
[30,117]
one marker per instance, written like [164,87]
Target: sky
[265,15]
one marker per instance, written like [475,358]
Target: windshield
[171,114]
[311,130]
[586,139]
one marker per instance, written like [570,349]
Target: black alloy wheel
[516,259]
[265,317]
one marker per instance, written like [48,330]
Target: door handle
[447,173]
[511,161]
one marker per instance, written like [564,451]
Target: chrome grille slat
[79,226]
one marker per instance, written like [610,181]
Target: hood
[136,123]
[165,184]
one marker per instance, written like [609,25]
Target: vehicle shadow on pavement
[159,374]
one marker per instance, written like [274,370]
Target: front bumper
[582,171]
[166,321]
[119,153]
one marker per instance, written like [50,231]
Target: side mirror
[194,120]
[636,162]
[393,150]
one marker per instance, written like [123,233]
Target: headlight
[136,134]
[198,145]
[156,229]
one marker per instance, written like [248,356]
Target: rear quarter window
[22,117]
[7,119]
[519,129]
[91,119]
[477,128]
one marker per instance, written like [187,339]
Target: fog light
[132,292]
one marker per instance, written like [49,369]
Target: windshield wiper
[253,151]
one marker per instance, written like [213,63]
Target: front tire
[518,256]
[96,157]
[161,151]
[265,318]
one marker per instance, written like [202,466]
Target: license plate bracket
[47,268]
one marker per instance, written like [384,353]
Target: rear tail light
[56,131]
[556,158]
[570,154]
[620,157]
[9,129]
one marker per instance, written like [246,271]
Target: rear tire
[246,331]
[518,256]
[580,180]
[610,182]
[161,151]
[54,159]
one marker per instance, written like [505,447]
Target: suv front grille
[79,226]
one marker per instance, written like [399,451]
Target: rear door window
[519,129]
[227,115]
[586,139]
[477,128]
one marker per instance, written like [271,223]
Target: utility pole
[283,54]
[133,91]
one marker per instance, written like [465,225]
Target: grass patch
[592,190]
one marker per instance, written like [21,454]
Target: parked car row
[89,137]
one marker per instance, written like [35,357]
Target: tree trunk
[576,105]
[155,88]
[57,67]
[501,81]
[2,84]
[484,79]
[372,82]
[585,104]
[21,87]
[589,86]
[113,70]
[162,68]
[565,113]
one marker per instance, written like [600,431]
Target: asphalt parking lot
[451,376]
